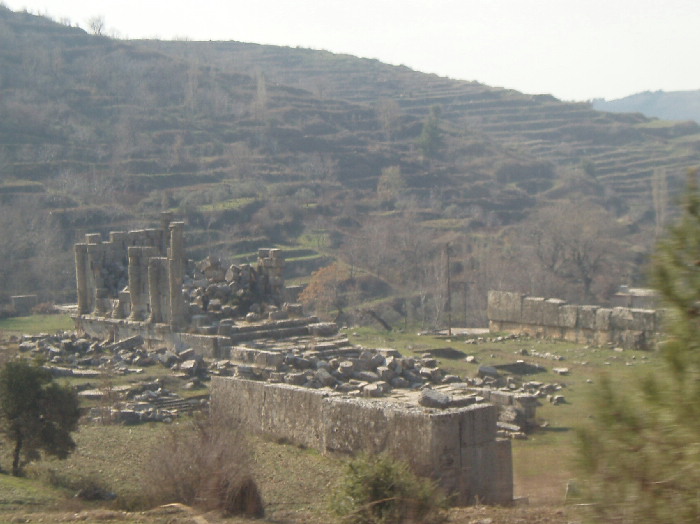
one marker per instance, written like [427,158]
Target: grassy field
[295,483]
[545,462]
[35,324]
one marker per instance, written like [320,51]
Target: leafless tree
[576,242]
[97,25]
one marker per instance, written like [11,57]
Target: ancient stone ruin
[285,374]
[629,328]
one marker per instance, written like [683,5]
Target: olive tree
[36,413]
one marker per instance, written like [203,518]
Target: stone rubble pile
[215,292]
[328,361]
[69,355]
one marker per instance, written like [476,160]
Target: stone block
[621,319]
[323,329]
[587,317]
[550,311]
[631,339]
[505,306]
[568,316]
[644,320]
[533,311]
[478,424]
[602,319]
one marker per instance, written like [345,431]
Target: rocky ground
[128,382]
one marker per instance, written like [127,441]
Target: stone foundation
[456,447]
[553,318]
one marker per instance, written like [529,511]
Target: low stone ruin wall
[23,304]
[629,328]
[456,447]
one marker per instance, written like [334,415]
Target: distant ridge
[672,105]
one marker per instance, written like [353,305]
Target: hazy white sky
[575,50]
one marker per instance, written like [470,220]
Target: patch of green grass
[37,324]
[227,205]
[18,493]
[545,462]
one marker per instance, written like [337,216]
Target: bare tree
[97,25]
[388,111]
[575,242]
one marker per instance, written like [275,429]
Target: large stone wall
[456,447]
[630,328]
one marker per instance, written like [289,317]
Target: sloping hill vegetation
[377,166]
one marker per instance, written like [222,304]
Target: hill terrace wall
[629,328]
[457,447]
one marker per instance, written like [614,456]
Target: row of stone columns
[155,283]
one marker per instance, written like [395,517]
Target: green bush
[87,486]
[379,489]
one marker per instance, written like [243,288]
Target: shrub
[379,489]
[203,462]
[88,486]
[45,308]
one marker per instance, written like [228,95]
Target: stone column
[154,290]
[95,262]
[277,276]
[135,283]
[165,218]
[176,266]
[81,267]
[158,289]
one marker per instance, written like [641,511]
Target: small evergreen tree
[36,414]
[378,489]
[642,453]
[431,140]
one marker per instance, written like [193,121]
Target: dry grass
[203,462]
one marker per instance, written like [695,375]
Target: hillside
[673,105]
[622,148]
[328,156]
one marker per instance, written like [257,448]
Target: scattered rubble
[313,362]
[69,355]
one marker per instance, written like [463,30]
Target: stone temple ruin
[287,375]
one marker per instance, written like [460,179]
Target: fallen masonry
[284,374]
[139,400]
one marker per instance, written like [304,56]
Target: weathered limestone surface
[533,311]
[457,447]
[626,327]
[551,312]
[568,316]
[505,306]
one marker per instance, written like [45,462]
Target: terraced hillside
[624,149]
[333,156]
